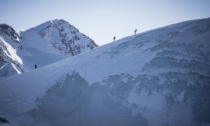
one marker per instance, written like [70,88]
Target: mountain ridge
[147,79]
[43,44]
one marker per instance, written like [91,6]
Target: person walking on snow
[135,31]
[114,38]
[35,66]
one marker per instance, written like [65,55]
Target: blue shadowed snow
[156,78]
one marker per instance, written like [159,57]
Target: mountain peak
[52,23]
[8,30]
[63,36]
[56,21]
[4,26]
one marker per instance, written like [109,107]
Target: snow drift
[157,78]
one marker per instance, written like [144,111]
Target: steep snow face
[10,62]
[156,78]
[9,35]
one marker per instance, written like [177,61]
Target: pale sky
[103,19]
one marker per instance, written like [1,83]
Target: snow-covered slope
[42,45]
[52,41]
[156,78]
[10,62]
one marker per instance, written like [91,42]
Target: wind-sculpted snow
[73,102]
[167,99]
[157,78]
[10,62]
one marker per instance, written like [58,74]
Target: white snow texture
[156,78]
[44,44]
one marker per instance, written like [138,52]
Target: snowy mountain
[59,34]
[157,78]
[10,62]
[42,45]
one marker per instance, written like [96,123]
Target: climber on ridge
[114,38]
[135,31]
